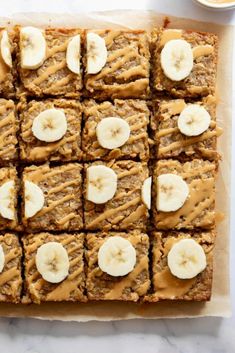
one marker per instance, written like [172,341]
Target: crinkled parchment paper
[220,302]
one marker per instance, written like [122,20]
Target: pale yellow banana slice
[193,120]
[2,259]
[172,192]
[33,199]
[52,262]
[50,125]
[73,54]
[177,59]
[112,132]
[117,256]
[32,47]
[6,49]
[186,259]
[101,184]
[146,192]
[96,53]
[6,200]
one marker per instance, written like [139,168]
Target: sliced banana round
[73,54]
[146,192]
[33,199]
[112,132]
[52,262]
[177,59]
[101,184]
[96,53]
[50,125]
[6,49]
[193,120]
[117,256]
[32,47]
[6,200]
[2,259]
[186,259]
[172,192]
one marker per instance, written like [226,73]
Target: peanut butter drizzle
[7,276]
[137,137]
[121,195]
[66,219]
[6,133]
[53,204]
[169,34]
[110,37]
[134,216]
[7,119]
[138,126]
[175,107]
[202,50]
[168,286]
[50,71]
[108,213]
[45,151]
[172,130]
[191,140]
[134,71]
[61,187]
[128,281]
[41,174]
[118,64]
[201,197]
[130,172]
[198,171]
[63,82]
[56,49]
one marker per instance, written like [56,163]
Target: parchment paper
[220,302]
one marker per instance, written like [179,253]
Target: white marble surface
[205,335]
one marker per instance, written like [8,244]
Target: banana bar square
[100,141]
[101,285]
[113,195]
[10,268]
[184,62]
[184,194]
[7,68]
[41,142]
[52,197]
[44,68]
[169,266]
[184,129]
[68,276]
[9,186]
[125,71]
[8,132]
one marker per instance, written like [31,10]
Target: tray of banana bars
[114,166]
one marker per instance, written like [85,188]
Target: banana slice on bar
[96,53]
[73,54]
[6,49]
[193,120]
[172,192]
[177,59]
[112,132]
[117,256]
[186,259]
[52,262]
[6,200]
[33,199]
[101,184]
[50,125]
[32,47]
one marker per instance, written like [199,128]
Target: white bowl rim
[217,5]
